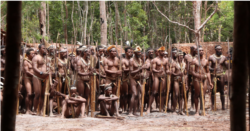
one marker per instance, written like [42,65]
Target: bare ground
[218,120]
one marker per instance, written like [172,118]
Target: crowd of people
[55,81]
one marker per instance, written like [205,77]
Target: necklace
[137,62]
[217,57]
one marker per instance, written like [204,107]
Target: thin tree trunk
[42,19]
[103,23]
[205,16]
[48,21]
[219,33]
[12,66]
[91,25]
[65,24]
[74,31]
[197,18]
[116,22]
[86,21]
[125,21]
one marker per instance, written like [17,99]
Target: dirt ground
[215,120]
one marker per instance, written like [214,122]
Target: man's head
[108,90]
[180,56]
[218,50]
[128,52]
[63,52]
[86,53]
[174,53]
[193,49]
[73,91]
[112,51]
[42,49]
[161,51]
[100,50]
[165,54]
[150,53]
[92,50]
[156,52]
[137,51]
[30,53]
[51,50]
[201,51]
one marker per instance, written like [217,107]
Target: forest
[137,21]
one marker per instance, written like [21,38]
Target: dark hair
[192,47]
[40,45]
[149,49]
[128,48]
[28,51]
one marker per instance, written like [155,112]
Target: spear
[169,75]
[144,83]
[119,78]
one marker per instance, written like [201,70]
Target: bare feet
[148,111]
[196,114]
[135,114]
[52,115]
[130,114]
[181,113]
[174,113]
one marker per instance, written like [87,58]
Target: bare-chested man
[216,63]
[100,66]
[148,75]
[201,76]
[125,79]
[111,67]
[108,102]
[178,72]
[159,69]
[62,69]
[28,74]
[39,77]
[135,66]
[77,101]
[84,72]
[188,60]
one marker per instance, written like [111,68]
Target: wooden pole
[143,84]
[92,88]
[13,40]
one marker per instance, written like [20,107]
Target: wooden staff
[119,78]
[20,79]
[202,98]
[184,90]
[93,80]
[57,78]
[143,85]
[46,95]
[168,77]
[215,85]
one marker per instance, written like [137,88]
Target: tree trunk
[12,66]
[125,22]
[219,33]
[86,21]
[91,26]
[116,22]
[42,19]
[205,16]
[48,21]
[240,67]
[103,23]
[65,24]
[197,18]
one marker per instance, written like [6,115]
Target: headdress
[110,47]
[165,52]
[162,48]
[218,47]
[73,87]
[137,49]
[107,87]
[63,50]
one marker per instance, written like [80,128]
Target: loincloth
[112,78]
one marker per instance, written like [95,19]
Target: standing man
[135,67]
[111,67]
[62,69]
[39,77]
[28,74]
[217,62]
[188,60]
[159,69]
[125,86]
[201,75]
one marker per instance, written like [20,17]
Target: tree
[103,23]
[42,19]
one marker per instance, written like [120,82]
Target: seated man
[108,102]
[77,101]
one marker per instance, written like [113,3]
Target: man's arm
[208,74]
[26,68]
[154,67]
[106,69]
[131,67]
